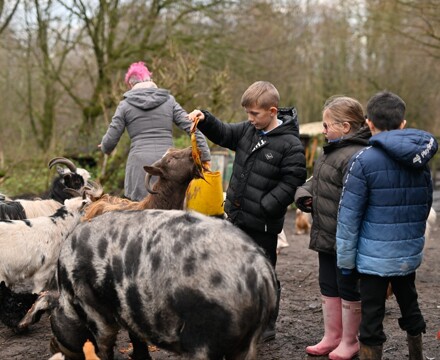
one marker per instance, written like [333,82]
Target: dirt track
[300,321]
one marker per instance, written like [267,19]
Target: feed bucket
[206,196]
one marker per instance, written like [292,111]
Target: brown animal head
[176,165]
[174,170]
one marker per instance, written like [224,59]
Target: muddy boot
[332,313]
[269,333]
[370,352]
[349,345]
[415,347]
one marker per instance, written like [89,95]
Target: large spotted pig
[184,282]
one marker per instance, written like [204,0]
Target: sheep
[185,282]
[175,170]
[30,247]
[71,178]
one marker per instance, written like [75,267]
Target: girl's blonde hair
[345,109]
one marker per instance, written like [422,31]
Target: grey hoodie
[148,115]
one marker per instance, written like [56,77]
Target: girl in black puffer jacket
[346,133]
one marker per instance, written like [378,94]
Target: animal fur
[30,247]
[282,242]
[161,275]
[302,222]
[14,306]
[175,170]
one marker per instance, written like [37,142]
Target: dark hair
[386,110]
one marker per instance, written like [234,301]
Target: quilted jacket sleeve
[351,212]
[220,133]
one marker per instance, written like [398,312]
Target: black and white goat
[68,178]
[30,247]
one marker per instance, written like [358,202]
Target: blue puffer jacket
[385,202]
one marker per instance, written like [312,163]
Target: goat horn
[62,160]
[147,184]
[74,192]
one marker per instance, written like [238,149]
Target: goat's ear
[153,170]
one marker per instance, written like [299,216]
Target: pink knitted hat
[138,71]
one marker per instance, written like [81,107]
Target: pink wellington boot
[349,345]
[332,314]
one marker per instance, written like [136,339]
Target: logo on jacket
[269,156]
[259,144]
[424,153]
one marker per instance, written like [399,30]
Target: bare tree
[421,20]
[116,34]
[47,48]
[7,16]
[5,19]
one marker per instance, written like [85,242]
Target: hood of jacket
[360,137]
[410,147]
[289,117]
[146,98]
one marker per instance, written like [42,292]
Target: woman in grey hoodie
[148,113]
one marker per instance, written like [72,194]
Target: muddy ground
[300,321]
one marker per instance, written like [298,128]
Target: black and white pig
[187,283]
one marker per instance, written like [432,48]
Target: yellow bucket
[206,196]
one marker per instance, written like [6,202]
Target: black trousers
[373,295]
[268,242]
[331,281]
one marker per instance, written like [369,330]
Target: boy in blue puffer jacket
[385,202]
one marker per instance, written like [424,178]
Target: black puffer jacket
[266,171]
[326,186]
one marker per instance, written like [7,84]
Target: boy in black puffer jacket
[269,165]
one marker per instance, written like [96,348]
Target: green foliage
[182,141]
[111,168]
[25,179]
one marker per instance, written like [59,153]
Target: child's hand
[196,114]
[304,204]
[206,165]
[346,272]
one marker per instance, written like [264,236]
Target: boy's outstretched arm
[223,134]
